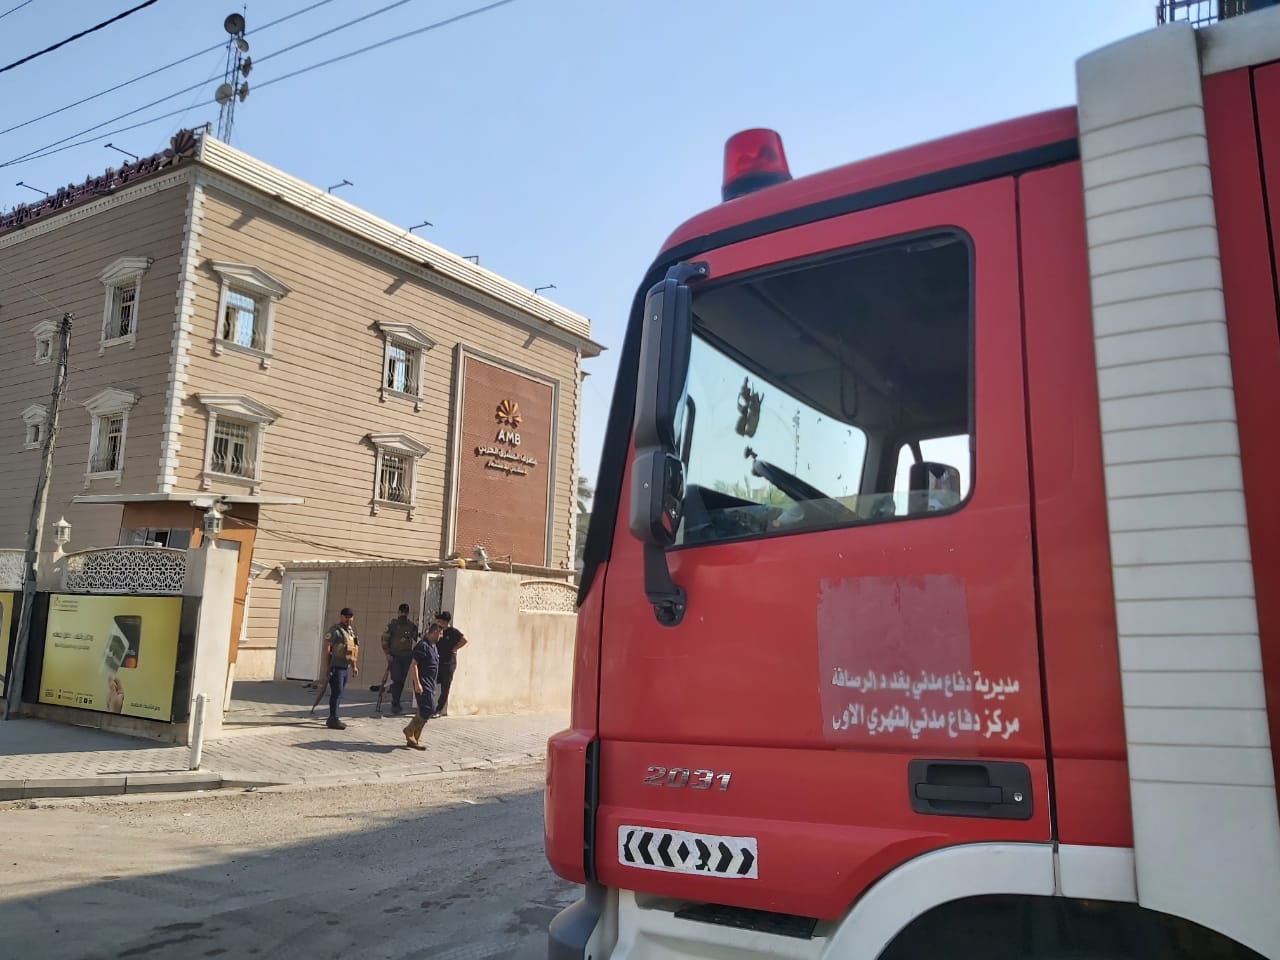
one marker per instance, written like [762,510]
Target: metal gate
[432,598]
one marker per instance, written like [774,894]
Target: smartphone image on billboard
[124,643]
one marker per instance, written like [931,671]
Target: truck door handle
[968,788]
[928,791]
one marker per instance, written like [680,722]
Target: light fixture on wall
[62,532]
[212,523]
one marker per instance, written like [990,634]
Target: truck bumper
[572,928]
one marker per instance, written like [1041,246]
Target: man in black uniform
[344,655]
[451,641]
[397,643]
[422,672]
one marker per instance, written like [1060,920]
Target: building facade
[338,387]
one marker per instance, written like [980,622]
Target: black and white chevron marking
[675,851]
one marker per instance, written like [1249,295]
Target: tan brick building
[344,389]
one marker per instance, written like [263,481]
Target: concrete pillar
[211,576]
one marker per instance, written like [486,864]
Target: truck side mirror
[933,487]
[657,472]
[657,497]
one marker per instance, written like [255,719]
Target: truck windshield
[815,388]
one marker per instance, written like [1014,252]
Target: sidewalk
[269,737]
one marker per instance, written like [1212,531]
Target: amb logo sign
[507,457]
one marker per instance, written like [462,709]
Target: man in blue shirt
[423,670]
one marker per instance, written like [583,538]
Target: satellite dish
[234,24]
[244,91]
[242,44]
[246,66]
[223,94]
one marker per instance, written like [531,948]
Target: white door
[304,627]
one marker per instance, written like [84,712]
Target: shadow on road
[18,735]
[465,881]
[353,746]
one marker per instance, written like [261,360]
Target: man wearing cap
[397,643]
[344,658]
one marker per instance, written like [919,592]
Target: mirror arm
[668,599]
[689,271]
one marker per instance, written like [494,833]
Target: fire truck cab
[931,603]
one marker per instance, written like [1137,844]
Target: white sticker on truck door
[675,851]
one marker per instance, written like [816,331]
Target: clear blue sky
[561,140]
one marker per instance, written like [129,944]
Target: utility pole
[35,531]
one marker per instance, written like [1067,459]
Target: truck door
[855,679]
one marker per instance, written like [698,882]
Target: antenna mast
[233,88]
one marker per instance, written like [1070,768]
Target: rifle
[382,691]
[324,688]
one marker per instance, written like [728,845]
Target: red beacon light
[753,160]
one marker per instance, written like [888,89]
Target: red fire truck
[931,603]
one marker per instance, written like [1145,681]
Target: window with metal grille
[402,369]
[393,480]
[109,448]
[243,321]
[234,447]
[1201,13]
[121,322]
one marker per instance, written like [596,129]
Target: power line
[152,73]
[14,9]
[45,151]
[83,33]
[340,548]
[59,145]
[341,26]
[97,137]
[382,43]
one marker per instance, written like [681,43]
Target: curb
[109,786]
[200,780]
[427,769]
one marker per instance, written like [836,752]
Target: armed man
[397,643]
[344,658]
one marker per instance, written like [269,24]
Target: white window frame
[235,406]
[102,406]
[121,274]
[265,290]
[36,415]
[413,450]
[44,332]
[407,337]
[236,433]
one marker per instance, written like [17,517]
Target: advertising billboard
[112,654]
[8,608]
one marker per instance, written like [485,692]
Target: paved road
[441,868]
